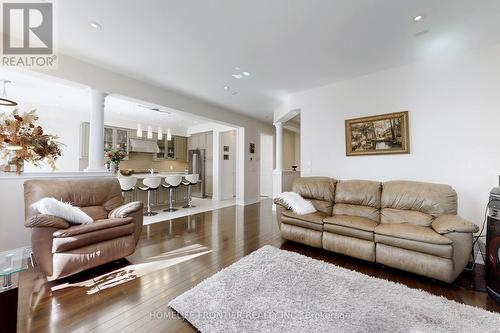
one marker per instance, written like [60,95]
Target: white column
[278,171]
[96,133]
[279,145]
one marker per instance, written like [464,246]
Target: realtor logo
[28,34]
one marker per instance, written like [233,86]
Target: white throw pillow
[296,203]
[64,210]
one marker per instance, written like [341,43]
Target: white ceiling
[193,46]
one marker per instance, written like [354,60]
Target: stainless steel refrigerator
[197,164]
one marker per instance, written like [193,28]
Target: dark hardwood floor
[173,256]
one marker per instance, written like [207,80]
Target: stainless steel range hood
[144,146]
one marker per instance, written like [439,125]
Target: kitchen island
[160,197]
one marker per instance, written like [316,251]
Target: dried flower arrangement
[22,140]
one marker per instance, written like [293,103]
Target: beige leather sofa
[61,249]
[407,225]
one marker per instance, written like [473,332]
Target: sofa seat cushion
[412,232]
[352,226]
[316,217]
[312,221]
[439,250]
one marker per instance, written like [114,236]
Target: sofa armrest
[126,210]
[42,220]
[452,223]
[90,227]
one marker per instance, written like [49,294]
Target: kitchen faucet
[151,170]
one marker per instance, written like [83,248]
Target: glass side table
[11,262]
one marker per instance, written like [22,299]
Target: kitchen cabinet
[108,138]
[199,141]
[163,150]
[170,149]
[121,139]
[175,149]
[193,142]
[180,148]
[114,138]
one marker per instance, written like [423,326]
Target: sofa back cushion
[416,202]
[319,190]
[358,198]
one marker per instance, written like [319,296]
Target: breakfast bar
[161,196]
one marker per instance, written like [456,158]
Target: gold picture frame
[378,135]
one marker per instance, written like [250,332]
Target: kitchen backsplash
[144,161]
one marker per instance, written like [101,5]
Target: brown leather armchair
[61,249]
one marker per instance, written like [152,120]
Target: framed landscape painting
[374,135]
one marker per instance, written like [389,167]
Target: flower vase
[113,168]
[14,163]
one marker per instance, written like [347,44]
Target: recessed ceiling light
[418,18]
[246,73]
[226,87]
[234,93]
[237,76]
[95,25]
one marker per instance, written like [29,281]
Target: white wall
[454,114]
[228,167]
[266,165]
[65,124]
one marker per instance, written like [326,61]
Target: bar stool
[127,185]
[151,184]
[171,183]
[191,180]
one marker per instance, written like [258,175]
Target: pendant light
[169,135]
[4,101]
[139,130]
[160,133]
[150,132]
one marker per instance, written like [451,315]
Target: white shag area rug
[273,290]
